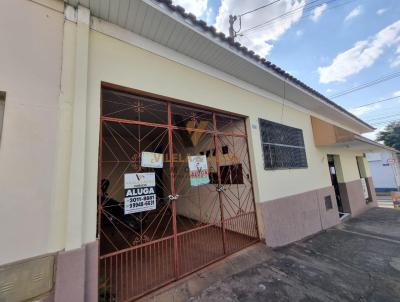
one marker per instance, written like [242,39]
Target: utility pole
[232,19]
[232,33]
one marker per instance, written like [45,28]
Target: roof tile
[250,53]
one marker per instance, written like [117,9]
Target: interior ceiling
[151,19]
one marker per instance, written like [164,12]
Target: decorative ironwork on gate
[189,226]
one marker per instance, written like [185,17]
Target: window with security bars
[283,146]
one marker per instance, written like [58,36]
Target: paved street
[356,261]
[385,202]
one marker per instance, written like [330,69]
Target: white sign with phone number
[139,192]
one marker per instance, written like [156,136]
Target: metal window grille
[283,146]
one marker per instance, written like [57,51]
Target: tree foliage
[390,135]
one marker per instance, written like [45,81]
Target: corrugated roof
[251,54]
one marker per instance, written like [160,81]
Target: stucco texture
[30,75]
[114,61]
[292,218]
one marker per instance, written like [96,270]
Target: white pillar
[75,207]
[64,138]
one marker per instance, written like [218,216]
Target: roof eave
[251,57]
[260,72]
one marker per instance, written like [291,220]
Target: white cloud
[397,93]
[318,11]
[364,110]
[354,13]
[196,7]
[374,134]
[396,61]
[362,55]
[261,40]
[299,33]
[329,90]
[381,11]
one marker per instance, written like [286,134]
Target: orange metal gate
[189,226]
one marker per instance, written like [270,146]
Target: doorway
[175,191]
[363,178]
[335,183]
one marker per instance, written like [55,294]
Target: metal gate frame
[164,240]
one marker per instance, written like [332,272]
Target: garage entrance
[175,192]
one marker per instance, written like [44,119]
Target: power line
[280,16]
[232,19]
[258,8]
[389,118]
[385,122]
[367,84]
[383,117]
[381,125]
[304,16]
[388,110]
[376,102]
[308,7]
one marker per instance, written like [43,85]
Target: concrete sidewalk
[358,260]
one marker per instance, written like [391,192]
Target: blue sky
[331,45]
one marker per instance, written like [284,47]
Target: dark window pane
[232,174]
[275,133]
[283,146]
[213,178]
[236,174]
[225,175]
[225,149]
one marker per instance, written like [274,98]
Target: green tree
[391,135]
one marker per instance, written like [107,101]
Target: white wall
[385,175]
[30,60]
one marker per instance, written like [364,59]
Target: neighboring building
[97,92]
[385,170]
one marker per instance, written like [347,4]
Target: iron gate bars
[190,227]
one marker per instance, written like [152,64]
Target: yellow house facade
[112,82]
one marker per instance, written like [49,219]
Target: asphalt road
[357,261]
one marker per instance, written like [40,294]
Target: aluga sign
[139,192]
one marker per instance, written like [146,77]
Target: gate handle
[220,188]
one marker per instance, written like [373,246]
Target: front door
[335,183]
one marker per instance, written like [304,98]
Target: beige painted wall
[114,61]
[30,60]
[117,62]
[36,188]
[348,163]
